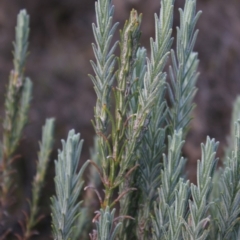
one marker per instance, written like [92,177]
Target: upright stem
[129,45]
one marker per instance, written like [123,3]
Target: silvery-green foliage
[103,68]
[17,102]
[152,97]
[215,193]
[21,42]
[19,89]
[124,147]
[173,164]
[154,79]
[178,210]
[45,145]
[195,226]
[220,180]
[43,161]
[107,228]
[235,118]
[111,156]
[121,150]
[22,113]
[137,79]
[231,139]
[227,208]
[132,154]
[153,140]
[183,73]
[105,61]
[43,156]
[128,202]
[68,183]
[94,156]
[220,176]
[172,229]
[90,201]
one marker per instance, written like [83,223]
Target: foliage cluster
[137,157]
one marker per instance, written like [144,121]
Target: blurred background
[58,64]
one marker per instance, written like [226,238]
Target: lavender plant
[183,70]
[144,89]
[153,141]
[43,161]
[138,158]
[16,107]
[226,210]
[65,207]
[173,165]
[17,102]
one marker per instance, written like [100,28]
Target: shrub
[137,158]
